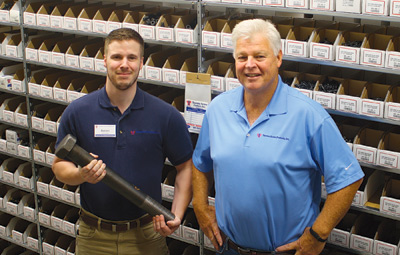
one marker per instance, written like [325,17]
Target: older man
[267,146]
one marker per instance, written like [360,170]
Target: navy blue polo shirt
[145,134]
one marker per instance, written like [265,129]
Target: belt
[243,251]
[114,226]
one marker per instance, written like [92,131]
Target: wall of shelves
[46,190]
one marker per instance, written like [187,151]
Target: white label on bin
[371,108]
[393,60]
[16,236]
[210,38]
[321,51]
[2,230]
[296,3]
[8,116]
[69,228]
[165,34]
[85,25]
[337,237]
[375,7]
[395,8]
[72,95]
[21,119]
[31,54]
[48,249]
[44,218]
[33,243]
[44,56]
[365,155]
[372,57]
[49,126]
[324,100]
[153,73]
[46,92]
[217,83]
[348,105]
[4,16]
[70,23]
[12,208]
[113,26]
[24,151]
[29,18]
[257,2]
[38,155]
[274,2]
[11,50]
[87,63]
[43,188]
[357,200]
[99,65]
[60,94]
[393,111]
[56,222]
[147,32]
[34,89]
[226,41]
[29,213]
[347,54]
[58,58]
[8,177]
[387,159]
[321,4]
[55,191]
[56,21]
[184,36]
[24,182]
[68,196]
[385,248]
[364,244]
[17,85]
[171,76]
[169,191]
[43,20]
[390,205]
[100,26]
[190,234]
[295,48]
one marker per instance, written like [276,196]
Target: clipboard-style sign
[197,98]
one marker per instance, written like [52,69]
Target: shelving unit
[195,237]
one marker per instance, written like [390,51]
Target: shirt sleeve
[337,162]
[178,144]
[201,155]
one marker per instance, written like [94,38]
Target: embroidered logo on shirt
[133,132]
[272,136]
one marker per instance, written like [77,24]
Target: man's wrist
[316,236]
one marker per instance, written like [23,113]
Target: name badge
[104,131]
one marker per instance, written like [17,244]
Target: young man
[267,146]
[132,132]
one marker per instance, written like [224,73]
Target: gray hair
[247,28]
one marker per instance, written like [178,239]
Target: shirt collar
[137,103]
[277,105]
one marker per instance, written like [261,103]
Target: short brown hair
[123,34]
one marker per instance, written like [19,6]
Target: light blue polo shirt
[268,175]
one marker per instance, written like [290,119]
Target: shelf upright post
[27,75]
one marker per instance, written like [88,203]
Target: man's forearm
[183,189]
[201,182]
[66,172]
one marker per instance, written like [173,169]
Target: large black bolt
[69,150]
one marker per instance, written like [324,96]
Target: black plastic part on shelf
[68,149]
